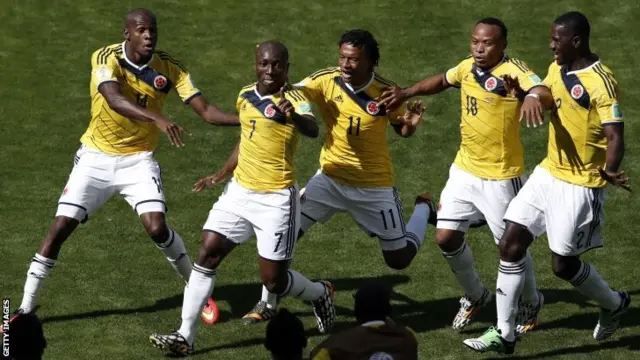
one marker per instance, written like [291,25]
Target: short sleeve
[526,77]
[104,66]
[548,80]
[299,101]
[185,87]
[312,87]
[606,100]
[454,75]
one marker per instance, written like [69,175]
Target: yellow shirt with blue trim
[355,151]
[490,146]
[146,85]
[586,101]
[268,139]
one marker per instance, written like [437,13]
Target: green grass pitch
[112,287]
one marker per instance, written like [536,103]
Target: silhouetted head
[285,338]
[372,302]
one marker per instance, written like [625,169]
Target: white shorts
[378,211]
[96,176]
[274,217]
[572,215]
[467,198]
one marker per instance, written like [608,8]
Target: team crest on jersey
[159,82]
[270,111]
[577,91]
[491,84]
[373,108]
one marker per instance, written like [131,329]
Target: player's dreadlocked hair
[362,39]
[285,336]
[496,22]
[577,22]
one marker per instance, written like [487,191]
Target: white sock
[530,290]
[196,293]
[38,271]
[303,288]
[511,279]
[461,263]
[176,254]
[588,282]
[417,225]
[269,298]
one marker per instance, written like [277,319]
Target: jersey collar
[482,72]
[137,67]
[255,90]
[362,88]
[585,69]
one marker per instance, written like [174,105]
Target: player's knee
[565,267]
[449,240]
[513,244]
[157,228]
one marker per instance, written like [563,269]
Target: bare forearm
[306,125]
[615,153]
[429,86]
[126,108]
[404,130]
[544,94]
[215,116]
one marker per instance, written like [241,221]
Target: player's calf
[168,241]
[45,260]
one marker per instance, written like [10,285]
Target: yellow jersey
[355,151]
[268,139]
[586,100]
[490,145]
[146,85]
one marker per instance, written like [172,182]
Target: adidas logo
[500,292]
[338,99]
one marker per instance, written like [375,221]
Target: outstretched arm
[110,90]
[394,96]
[212,114]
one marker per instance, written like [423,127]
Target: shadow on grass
[241,298]
[420,316]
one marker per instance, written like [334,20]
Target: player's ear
[125,34]
[576,41]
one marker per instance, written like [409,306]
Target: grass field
[112,287]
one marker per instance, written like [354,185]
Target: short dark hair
[577,22]
[362,39]
[372,302]
[27,339]
[285,336]
[497,22]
